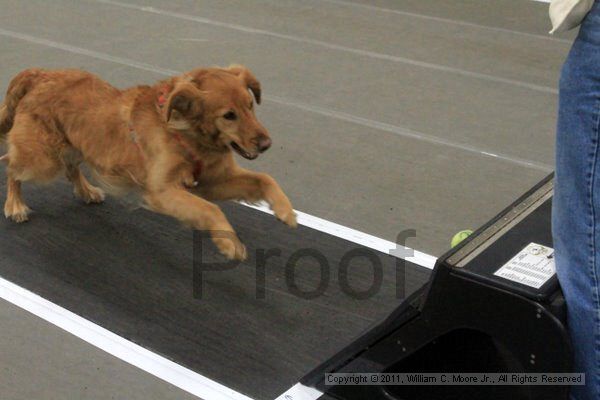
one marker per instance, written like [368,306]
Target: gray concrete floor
[386,115]
[41,362]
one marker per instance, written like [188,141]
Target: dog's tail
[17,89]
[5,121]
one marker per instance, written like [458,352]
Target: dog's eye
[230,115]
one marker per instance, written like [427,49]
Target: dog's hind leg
[31,157]
[14,207]
[81,186]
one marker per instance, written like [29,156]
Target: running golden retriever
[173,142]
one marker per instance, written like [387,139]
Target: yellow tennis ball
[460,236]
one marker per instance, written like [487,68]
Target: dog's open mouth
[243,152]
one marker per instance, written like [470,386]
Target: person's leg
[576,203]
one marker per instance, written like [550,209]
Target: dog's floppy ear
[251,82]
[186,100]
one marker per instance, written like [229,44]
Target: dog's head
[216,105]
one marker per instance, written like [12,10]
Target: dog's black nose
[263,143]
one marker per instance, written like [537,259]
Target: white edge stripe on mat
[358,237]
[300,392]
[119,347]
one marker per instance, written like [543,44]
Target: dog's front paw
[17,212]
[93,195]
[286,214]
[231,247]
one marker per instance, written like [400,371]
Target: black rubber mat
[132,272]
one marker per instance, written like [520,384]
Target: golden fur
[154,139]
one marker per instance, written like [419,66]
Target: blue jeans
[576,203]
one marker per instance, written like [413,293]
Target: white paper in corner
[533,266]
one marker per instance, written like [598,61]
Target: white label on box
[532,266]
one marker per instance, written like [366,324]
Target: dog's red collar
[163,93]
